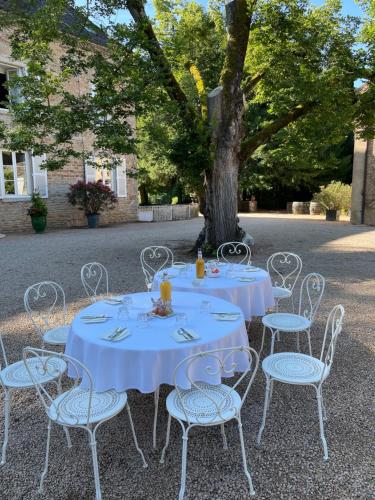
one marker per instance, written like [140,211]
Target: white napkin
[251,269]
[178,337]
[113,301]
[95,320]
[118,337]
[245,278]
[226,316]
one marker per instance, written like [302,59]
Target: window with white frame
[6,74]
[114,178]
[21,175]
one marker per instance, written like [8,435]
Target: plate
[153,315]
[113,302]
[247,280]
[252,269]
[121,336]
[96,320]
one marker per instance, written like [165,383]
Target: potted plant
[92,197]
[333,198]
[38,213]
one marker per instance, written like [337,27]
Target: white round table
[253,297]
[148,357]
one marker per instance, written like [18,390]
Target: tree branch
[201,88]
[173,89]
[252,81]
[252,143]
[238,15]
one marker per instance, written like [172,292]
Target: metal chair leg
[270,396]
[321,425]
[45,470]
[145,464]
[225,443]
[184,464]
[166,439]
[273,340]
[98,494]
[7,398]
[66,430]
[262,344]
[266,397]
[309,340]
[156,401]
[243,451]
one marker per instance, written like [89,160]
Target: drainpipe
[364,186]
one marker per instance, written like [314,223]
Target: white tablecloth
[148,357]
[254,298]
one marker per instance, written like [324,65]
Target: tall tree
[207,69]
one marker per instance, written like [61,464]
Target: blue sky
[348,7]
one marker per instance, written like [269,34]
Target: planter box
[145,215]
[162,213]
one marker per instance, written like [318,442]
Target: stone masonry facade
[363,185]
[13,211]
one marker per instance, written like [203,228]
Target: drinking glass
[123,312]
[142,320]
[181,319]
[205,307]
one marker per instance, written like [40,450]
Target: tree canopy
[286,69]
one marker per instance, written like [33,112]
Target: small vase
[92,220]
[39,223]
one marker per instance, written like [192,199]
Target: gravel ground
[289,463]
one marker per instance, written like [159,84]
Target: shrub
[38,207]
[334,196]
[92,197]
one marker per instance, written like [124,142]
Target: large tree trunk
[221,181]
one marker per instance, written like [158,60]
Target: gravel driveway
[289,462]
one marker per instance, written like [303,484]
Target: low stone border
[159,213]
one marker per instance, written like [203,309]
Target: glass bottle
[199,265]
[165,289]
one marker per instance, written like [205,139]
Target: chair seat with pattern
[17,377]
[281,293]
[294,368]
[201,404]
[57,336]
[286,322]
[72,407]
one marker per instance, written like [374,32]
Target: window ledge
[16,198]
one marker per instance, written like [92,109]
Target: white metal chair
[300,369]
[206,404]
[77,406]
[46,306]
[154,259]
[234,249]
[284,269]
[15,377]
[94,277]
[311,293]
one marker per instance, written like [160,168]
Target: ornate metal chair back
[78,373]
[284,269]
[234,252]
[94,277]
[45,304]
[154,259]
[332,331]
[311,293]
[215,364]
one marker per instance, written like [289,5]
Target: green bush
[38,207]
[334,196]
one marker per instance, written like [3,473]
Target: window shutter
[121,184]
[90,173]
[40,180]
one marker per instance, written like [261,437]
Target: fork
[117,332]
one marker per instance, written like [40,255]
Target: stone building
[363,184]
[20,172]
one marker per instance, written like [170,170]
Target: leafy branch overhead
[289,57]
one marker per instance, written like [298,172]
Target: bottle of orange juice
[165,289]
[199,265]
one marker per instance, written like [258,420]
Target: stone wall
[13,213]
[363,184]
